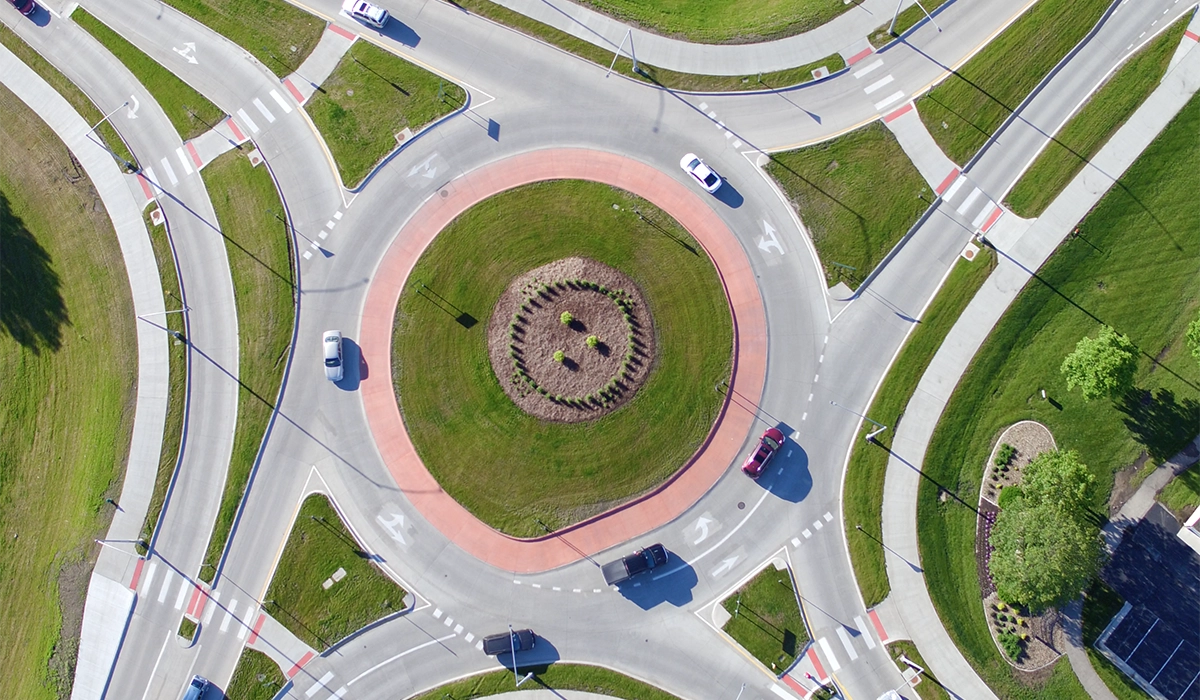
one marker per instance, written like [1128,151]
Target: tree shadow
[32,309]
[1159,422]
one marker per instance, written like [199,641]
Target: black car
[508,642]
[25,7]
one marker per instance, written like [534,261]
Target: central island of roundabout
[564,356]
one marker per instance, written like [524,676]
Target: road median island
[863,493]
[189,112]
[279,34]
[765,619]
[176,371]
[69,390]
[256,677]
[723,21]
[525,475]
[1134,265]
[70,92]
[662,77]
[326,586]
[972,102]
[257,244]
[1091,127]
[373,102]
[588,679]
[857,195]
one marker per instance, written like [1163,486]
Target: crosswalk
[827,658]
[155,582]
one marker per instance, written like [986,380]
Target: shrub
[559,355]
[592,341]
[1005,454]
[566,318]
[542,391]
[1009,495]
[1011,644]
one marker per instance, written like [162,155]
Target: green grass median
[1135,266]
[766,620]
[862,501]
[309,596]
[189,112]
[966,108]
[279,34]
[256,242]
[67,329]
[1087,132]
[723,21]
[857,195]
[369,98]
[256,677]
[588,679]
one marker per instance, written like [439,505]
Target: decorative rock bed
[571,341]
[1039,637]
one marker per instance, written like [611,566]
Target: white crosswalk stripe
[962,208]
[874,65]
[889,100]
[877,84]
[211,608]
[866,632]
[151,177]
[287,109]
[170,171]
[249,122]
[184,587]
[263,108]
[184,161]
[228,614]
[149,577]
[319,684]
[958,183]
[833,662]
[247,620]
[166,584]
[845,637]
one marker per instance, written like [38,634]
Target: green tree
[1042,556]
[1059,479]
[1101,366]
[1193,338]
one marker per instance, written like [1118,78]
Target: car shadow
[672,585]
[355,365]
[40,17]
[788,476]
[401,32]
[729,195]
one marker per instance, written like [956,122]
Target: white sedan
[332,342]
[706,176]
[365,12]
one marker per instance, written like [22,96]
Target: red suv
[768,445]
[25,7]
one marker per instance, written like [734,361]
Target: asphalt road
[540,98]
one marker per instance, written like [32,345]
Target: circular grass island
[662,302]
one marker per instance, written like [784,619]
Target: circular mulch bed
[607,349]
[1041,635]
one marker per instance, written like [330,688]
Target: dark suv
[25,7]
[508,642]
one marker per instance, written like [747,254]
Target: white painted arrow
[765,243]
[702,528]
[186,51]
[726,565]
[132,113]
[394,526]
[429,170]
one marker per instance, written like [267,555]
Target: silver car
[332,340]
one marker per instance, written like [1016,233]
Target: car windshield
[692,165]
[332,362]
[770,443]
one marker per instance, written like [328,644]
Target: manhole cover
[741,505]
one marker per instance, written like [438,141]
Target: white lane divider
[263,108]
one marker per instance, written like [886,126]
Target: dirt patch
[1125,484]
[579,369]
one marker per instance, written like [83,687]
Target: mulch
[584,371]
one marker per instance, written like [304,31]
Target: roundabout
[686,468]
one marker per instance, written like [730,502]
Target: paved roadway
[545,99]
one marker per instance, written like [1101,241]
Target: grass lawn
[905,21]
[862,503]
[1099,607]
[929,688]
[189,111]
[505,466]
[766,619]
[318,546]
[589,679]
[177,372]
[368,99]
[278,34]
[659,76]
[1182,495]
[974,100]
[723,21]
[1136,266]
[256,677]
[1087,132]
[857,195]
[76,97]
[257,245]
[66,325]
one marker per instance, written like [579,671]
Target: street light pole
[129,166]
[871,435]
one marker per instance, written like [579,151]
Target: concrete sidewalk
[109,600]
[1018,259]
[842,33]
